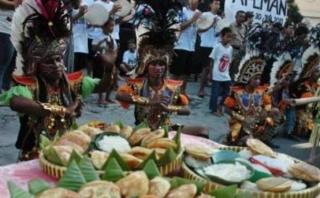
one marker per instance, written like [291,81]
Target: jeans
[290,120]
[6,62]
[218,89]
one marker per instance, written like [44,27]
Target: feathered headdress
[314,36]
[310,62]
[157,18]
[250,66]
[38,29]
[281,67]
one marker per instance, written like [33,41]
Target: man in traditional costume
[307,84]
[281,78]
[154,95]
[47,99]
[250,105]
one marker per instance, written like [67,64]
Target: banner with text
[263,10]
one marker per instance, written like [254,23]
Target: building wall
[310,10]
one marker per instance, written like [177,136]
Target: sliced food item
[159,187]
[90,131]
[113,128]
[131,160]
[138,135]
[152,136]
[58,193]
[135,184]
[258,147]
[198,152]
[126,131]
[204,196]
[305,172]
[149,196]
[78,137]
[99,158]
[185,191]
[194,163]
[99,188]
[274,184]
[140,152]
[162,143]
[110,142]
[75,146]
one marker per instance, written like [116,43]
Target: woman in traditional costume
[47,99]
[154,95]
[250,105]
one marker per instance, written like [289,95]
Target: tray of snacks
[82,181]
[255,169]
[99,142]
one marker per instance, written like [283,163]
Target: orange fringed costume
[154,117]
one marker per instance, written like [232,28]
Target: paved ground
[218,127]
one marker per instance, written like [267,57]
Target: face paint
[51,67]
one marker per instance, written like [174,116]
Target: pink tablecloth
[22,173]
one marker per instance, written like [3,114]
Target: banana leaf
[169,156]
[44,142]
[37,186]
[17,192]
[143,124]
[87,170]
[73,178]
[75,156]
[166,130]
[151,169]
[120,124]
[178,181]
[113,171]
[225,192]
[52,156]
[177,140]
[152,156]
[114,154]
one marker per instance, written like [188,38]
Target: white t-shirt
[188,36]
[95,33]
[80,36]
[5,24]
[116,30]
[130,58]
[222,57]
[79,31]
[209,38]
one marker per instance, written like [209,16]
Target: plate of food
[133,146]
[293,178]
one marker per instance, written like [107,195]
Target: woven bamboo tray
[56,171]
[307,193]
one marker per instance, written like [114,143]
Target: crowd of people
[256,71]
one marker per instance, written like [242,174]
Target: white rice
[108,143]
[230,172]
